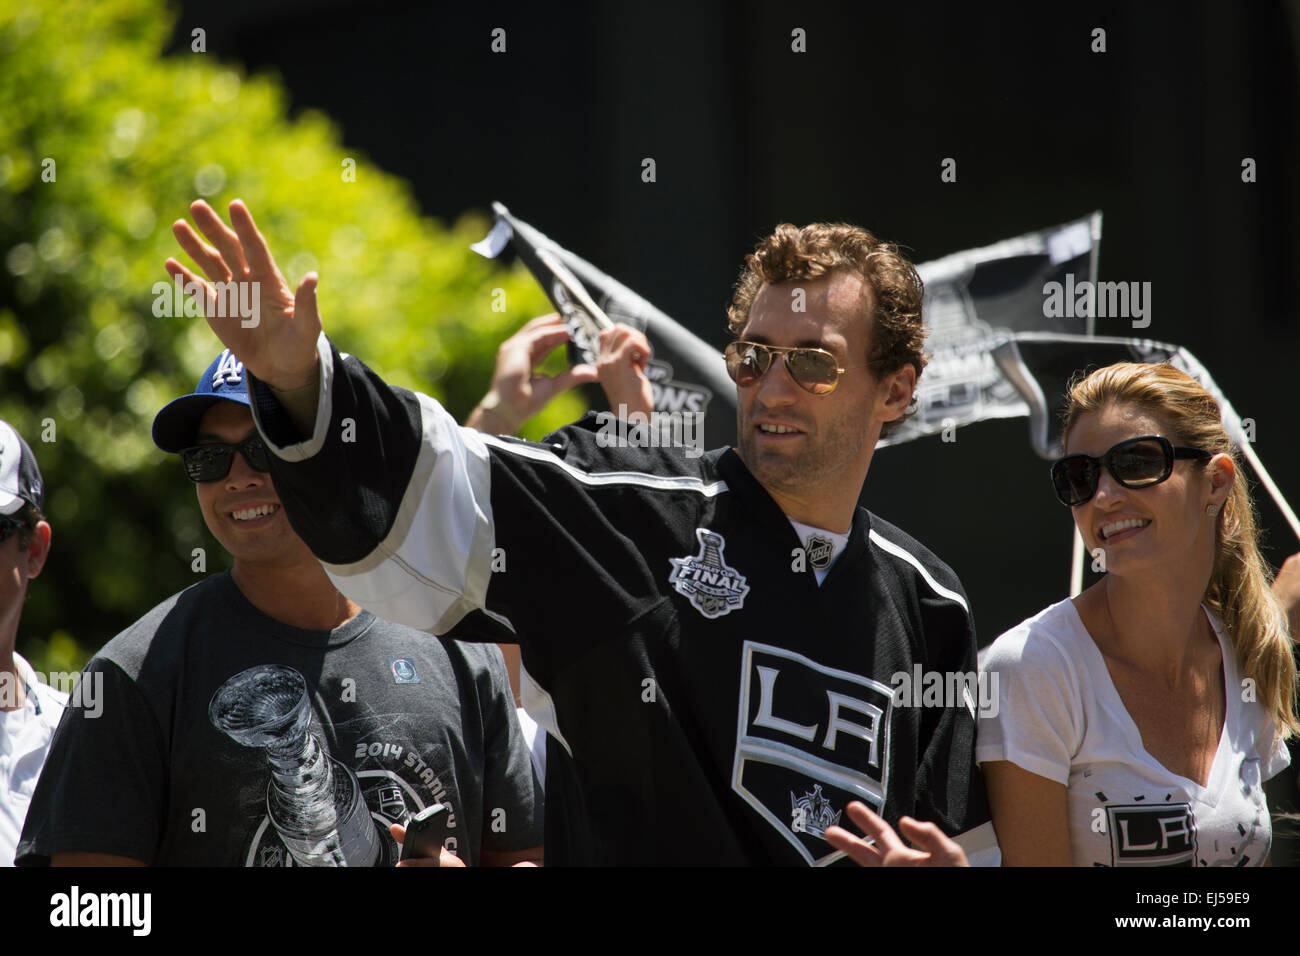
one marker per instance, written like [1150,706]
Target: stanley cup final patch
[713,587]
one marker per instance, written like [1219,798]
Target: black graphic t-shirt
[221,737]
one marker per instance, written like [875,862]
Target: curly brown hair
[897,334]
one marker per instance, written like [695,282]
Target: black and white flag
[975,300]
[979,298]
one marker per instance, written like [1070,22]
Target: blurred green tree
[104,142]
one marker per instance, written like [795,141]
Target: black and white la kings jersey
[707,702]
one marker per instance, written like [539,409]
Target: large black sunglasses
[212,462]
[1135,463]
[814,370]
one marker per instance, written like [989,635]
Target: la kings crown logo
[714,588]
[813,813]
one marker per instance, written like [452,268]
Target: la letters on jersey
[1152,836]
[810,739]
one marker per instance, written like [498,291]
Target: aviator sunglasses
[1136,463]
[814,370]
[212,462]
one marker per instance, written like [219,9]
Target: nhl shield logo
[819,552]
[272,856]
[714,588]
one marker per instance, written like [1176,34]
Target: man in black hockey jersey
[709,641]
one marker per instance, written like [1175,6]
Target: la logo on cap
[229,371]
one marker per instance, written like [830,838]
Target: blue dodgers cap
[20,479]
[175,427]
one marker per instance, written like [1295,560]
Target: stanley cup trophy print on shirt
[314,801]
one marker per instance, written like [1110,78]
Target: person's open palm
[278,344]
[931,847]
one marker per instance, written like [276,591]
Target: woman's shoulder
[1040,684]
[1048,640]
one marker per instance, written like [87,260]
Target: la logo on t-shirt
[1163,835]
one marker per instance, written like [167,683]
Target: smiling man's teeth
[1115,526]
[248,514]
[777,429]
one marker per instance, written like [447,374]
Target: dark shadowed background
[746,133]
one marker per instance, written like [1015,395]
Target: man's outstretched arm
[349,453]
[398,501]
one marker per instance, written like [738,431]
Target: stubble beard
[797,472]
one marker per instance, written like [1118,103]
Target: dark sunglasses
[10,527]
[1136,463]
[212,462]
[814,370]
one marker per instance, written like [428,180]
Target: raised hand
[277,343]
[933,847]
[624,354]
[517,392]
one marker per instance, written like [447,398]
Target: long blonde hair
[1239,587]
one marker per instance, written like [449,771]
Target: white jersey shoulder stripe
[540,706]
[638,478]
[899,552]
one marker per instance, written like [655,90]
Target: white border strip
[638,478]
[907,556]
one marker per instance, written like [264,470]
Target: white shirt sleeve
[1039,721]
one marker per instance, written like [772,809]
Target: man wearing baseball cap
[29,709]
[259,718]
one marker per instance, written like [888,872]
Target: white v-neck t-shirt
[1060,716]
[821,547]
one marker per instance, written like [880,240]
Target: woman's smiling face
[1141,528]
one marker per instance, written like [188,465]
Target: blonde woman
[1136,722]
[1139,720]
